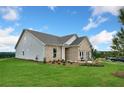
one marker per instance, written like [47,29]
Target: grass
[16,72]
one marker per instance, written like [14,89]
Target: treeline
[103,54]
[7,54]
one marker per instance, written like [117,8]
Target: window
[81,54]
[23,53]
[88,55]
[54,52]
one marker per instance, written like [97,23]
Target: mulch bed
[119,74]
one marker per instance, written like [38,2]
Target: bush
[44,61]
[50,62]
[63,62]
[70,62]
[53,62]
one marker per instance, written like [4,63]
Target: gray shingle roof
[46,38]
[78,40]
[51,39]
[63,39]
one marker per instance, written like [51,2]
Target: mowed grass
[16,72]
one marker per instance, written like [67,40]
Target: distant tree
[7,54]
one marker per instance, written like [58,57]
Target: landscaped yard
[15,72]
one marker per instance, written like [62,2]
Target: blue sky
[97,23]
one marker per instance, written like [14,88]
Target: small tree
[95,53]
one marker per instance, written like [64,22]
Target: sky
[99,24]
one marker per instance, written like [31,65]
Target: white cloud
[10,13]
[96,47]
[94,23]
[7,40]
[99,10]
[52,8]
[104,37]
[30,28]
[7,49]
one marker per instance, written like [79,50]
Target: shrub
[62,60]
[44,61]
[58,60]
[53,62]
[71,62]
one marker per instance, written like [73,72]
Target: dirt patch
[119,74]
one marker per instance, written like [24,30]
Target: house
[39,46]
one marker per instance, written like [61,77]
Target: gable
[72,39]
[24,38]
[85,45]
[29,47]
[77,41]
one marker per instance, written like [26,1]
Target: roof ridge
[82,37]
[69,35]
[41,32]
[49,34]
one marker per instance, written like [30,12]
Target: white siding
[71,40]
[31,46]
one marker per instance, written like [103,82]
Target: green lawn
[15,72]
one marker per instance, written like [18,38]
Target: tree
[118,40]
[118,43]
[95,53]
[121,16]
